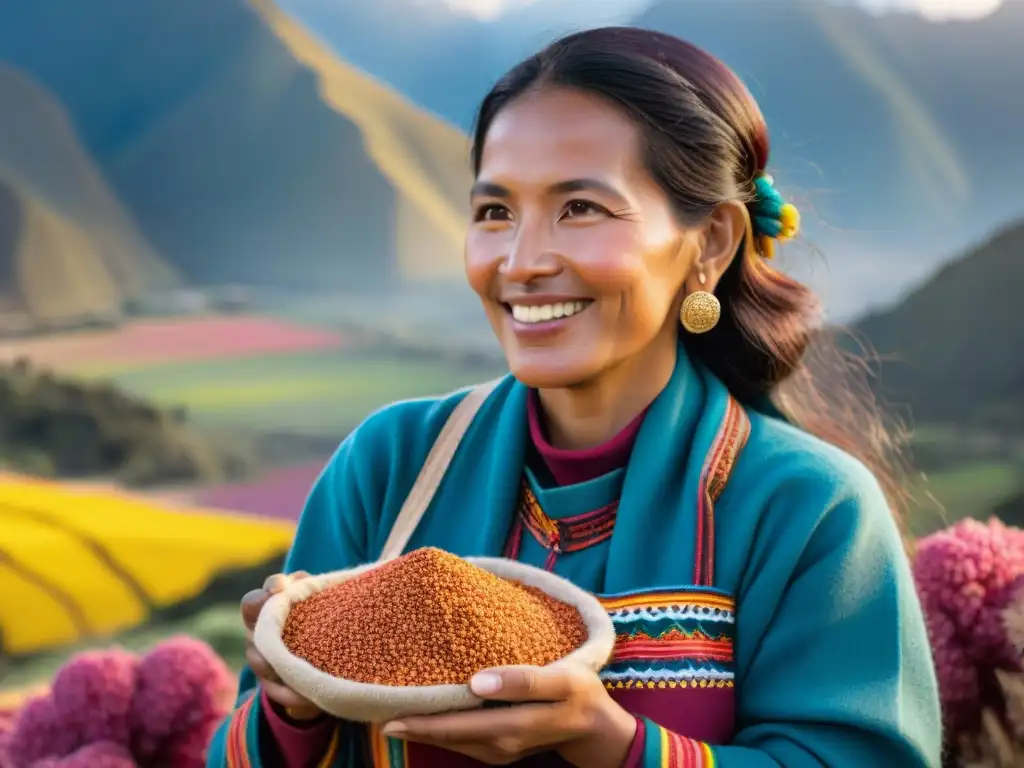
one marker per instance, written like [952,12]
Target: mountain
[242,149]
[443,59]
[951,350]
[898,136]
[68,250]
[890,125]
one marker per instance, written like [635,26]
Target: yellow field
[76,562]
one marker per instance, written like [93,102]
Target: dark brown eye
[579,208]
[492,213]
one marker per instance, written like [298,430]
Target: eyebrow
[490,189]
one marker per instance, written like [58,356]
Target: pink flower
[1013,617]
[92,694]
[966,576]
[37,733]
[111,710]
[183,693]
[100,754]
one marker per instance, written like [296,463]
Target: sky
[936,9]
[932,9]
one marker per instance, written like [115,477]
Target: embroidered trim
[625,685]
[705,603]
[730,440]
[236,748]
[674,644]
[680,752]
[671,638]
[237,744]
[567,534]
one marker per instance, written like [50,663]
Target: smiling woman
[649,446]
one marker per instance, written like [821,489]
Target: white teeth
[543,313]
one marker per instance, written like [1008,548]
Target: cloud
[487,10]
[936,9]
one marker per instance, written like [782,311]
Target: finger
[275,583]
[527,683]
[529,725]
[278,581]
[259,665]
[254,600]
[252,603]
[281,694]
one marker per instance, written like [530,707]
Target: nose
[531,255]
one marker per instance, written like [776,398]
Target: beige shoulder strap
[429,478]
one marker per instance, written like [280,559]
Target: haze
[932,9]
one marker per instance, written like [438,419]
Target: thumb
[252,603]
[254,600]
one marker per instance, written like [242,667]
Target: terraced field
[145,343]
[77,563]
[322,393]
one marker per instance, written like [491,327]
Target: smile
[543,313]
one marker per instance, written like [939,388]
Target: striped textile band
[665,749]
[241,741]
[237,749]
[567,534]
[730,440]
[671,638]
[386,752]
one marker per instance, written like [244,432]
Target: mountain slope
[903,126]
[897,136]
[422,157]
[218,142]
[952,348]
[67,248]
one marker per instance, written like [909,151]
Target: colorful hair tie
[773,218]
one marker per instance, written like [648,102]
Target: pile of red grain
[429,618]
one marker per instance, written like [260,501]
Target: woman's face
[572,247]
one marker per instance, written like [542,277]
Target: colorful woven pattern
[729,442]
[679,752]
[387,752]
[568,534]
[671,638]
[242,744]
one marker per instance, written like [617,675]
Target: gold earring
[701,310]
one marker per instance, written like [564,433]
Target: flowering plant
[970,578]
[113,709]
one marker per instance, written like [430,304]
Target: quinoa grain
[429,618]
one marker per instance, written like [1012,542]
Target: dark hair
[706,142]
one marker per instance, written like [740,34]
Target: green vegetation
[952,348]
[969,490]
[951,352]
[308,393]
[62,427]
[220,626]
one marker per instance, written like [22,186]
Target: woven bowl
[369,703]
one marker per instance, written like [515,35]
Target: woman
[621,188]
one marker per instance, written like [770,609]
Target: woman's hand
[295,706]
[566,710]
